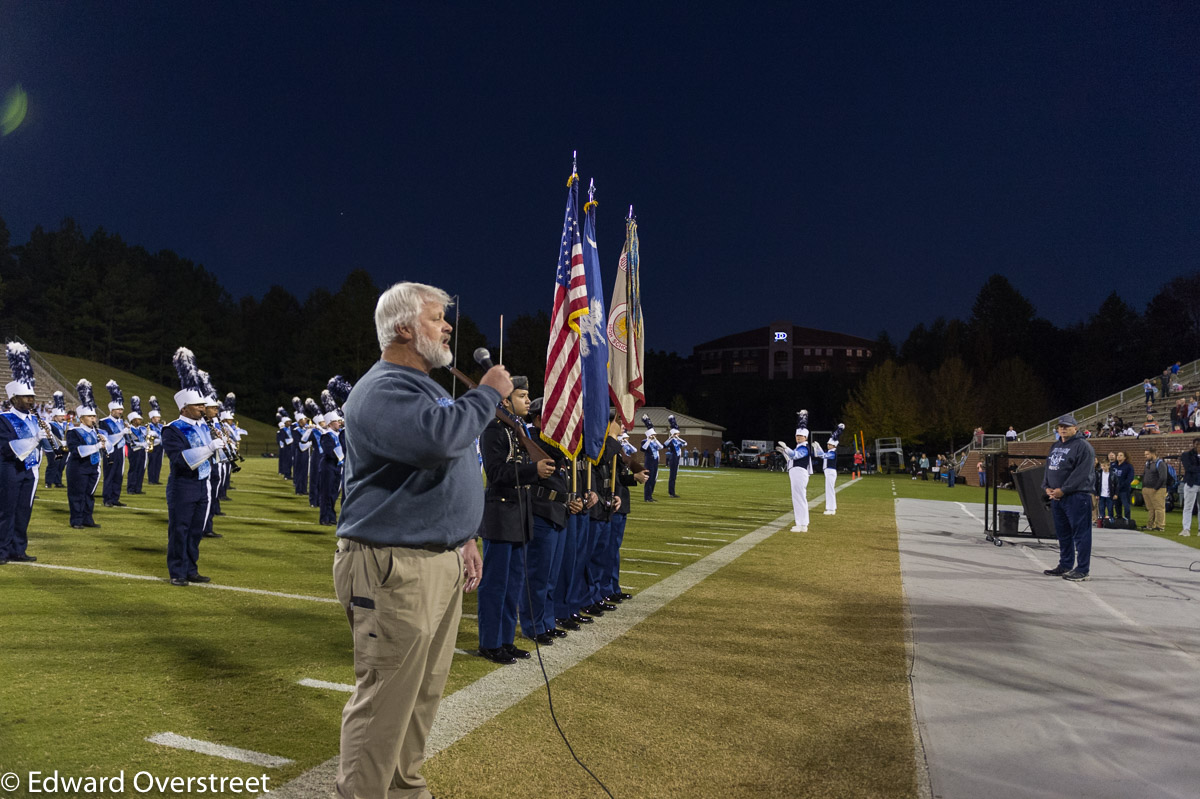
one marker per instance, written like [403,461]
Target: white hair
[401,305]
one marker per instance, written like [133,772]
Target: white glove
[781,444]
[781,449]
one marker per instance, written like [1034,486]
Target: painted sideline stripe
[465,710]
[697,538]
[218,750]
[647,574]
[259,591]
[660,562]
[691,546]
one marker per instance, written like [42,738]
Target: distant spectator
[982,473]
[1190,461]
[1104,491]
[1150,427]
[1175,369]
[978,438]
[1154,490]
[695,457]
[936,466]
[924,464]
[1124,486]
[1128,431]
[717,458]
[1164,380]
[1148,387]
[706,458]
[1011,434]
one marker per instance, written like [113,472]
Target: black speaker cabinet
[1034,501]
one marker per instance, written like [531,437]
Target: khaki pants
[404,606]
[1156,501]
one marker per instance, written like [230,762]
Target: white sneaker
[804,529]
[797,529]
[1186,532]
[827,513]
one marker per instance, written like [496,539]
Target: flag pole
[502,338]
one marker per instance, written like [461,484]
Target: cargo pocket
[375,640]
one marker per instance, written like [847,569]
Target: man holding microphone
[406,551]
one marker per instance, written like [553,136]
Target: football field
[752,661]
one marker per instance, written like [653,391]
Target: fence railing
[1188,373]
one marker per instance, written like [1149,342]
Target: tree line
[98,297]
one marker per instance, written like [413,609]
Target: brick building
[782,351]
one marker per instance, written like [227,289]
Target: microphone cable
[537,648]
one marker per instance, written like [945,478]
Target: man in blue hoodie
[1069,481]
[406,550]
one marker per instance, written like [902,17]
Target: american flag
[562,410]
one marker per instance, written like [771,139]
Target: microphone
[483,357]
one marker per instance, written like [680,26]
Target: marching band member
[189,449]
[113,426]
[218,457]
[301,434]
[829,464]
[283,439]
[58,423]
[154,452]
[676,448]
[332,455]
[800,467]
[137,448]
[314,454]
[83,459]
[22,444]
[651,447]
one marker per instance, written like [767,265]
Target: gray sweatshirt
[412,468]
[1071,466]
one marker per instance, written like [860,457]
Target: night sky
[850,170]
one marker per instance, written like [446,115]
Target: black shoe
[673,496]
[212,535]
[119,504]
[109,505]
[93,524]
[651,499]
[516,651]
[497,655]
[198,578]
[222,499]
[219,513]
[567,624]
[613,599]
[605,606]
[545,639]
[579,618]
[22,558]
[77,526]
[622,595]
[593,610]
[179,582]
[1057,571]
[1076,576]
[557,633]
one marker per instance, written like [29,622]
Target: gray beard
[432,351]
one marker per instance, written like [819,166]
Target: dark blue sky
[854,170]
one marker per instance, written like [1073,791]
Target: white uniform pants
[830,494]
[1189,501]
[799,478]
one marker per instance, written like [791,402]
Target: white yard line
[217,750]
[690,546]
[645,574]
[258,591]
[642,560]
[662,552]
[698,538]
[328,686]
[462,712]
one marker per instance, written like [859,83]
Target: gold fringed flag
[626,337]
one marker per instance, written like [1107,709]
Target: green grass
[262,436]
[791,658]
